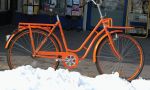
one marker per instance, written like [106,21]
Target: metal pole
[85,17]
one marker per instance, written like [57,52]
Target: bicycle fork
[112,46]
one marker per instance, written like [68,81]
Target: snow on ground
[28,78]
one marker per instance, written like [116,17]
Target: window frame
[35,6]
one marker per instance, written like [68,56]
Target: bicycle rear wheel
[20,50]
[131,64]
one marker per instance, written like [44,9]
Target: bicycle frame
[107,24]
[33,40]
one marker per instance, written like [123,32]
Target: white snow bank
[28,78]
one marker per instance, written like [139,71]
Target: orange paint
[106,23]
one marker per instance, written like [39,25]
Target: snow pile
[28,78]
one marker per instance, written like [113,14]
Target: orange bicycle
[37,45]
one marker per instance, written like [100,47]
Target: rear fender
[15,33]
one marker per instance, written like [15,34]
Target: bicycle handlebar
[94,2]
[97,4]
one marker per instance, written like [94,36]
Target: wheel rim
[132,62]
[20,52]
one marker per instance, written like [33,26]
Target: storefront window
[55,5]
[139,6]
[30,6]
[113,5]
[73,7]
[63,7]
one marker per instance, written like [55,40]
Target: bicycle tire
[20,50]
[132,63]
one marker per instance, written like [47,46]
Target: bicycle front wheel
[132,57]
[20,50]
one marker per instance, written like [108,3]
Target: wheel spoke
[131,63]
[21,44]
[22,47]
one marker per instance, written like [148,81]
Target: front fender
[100,40]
